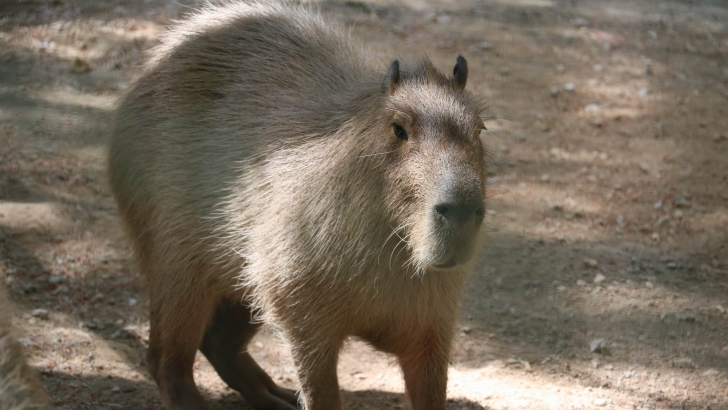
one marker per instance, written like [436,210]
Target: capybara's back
[19,386]
[268,169]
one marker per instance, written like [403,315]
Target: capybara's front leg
[316,366]
[425,374]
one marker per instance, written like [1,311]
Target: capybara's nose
[459,213]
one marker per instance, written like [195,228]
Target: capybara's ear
[391,80]
[460,73]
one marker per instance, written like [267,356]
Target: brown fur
[19,386]
[256,160]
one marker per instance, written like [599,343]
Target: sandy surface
[608,212]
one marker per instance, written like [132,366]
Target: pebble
[643,92]
[657,205]
[580,282]
[482,46]
[545,178]
[591,107]
[56,279]
[79,66]
[598,346]
[133,302]
[599,278]
[569,87]
[648,69]
[683,363]
[554,91]
[579,22]
[711,372]
[679,201]
[598,67]
[467,330]
[600,402]
[650,285]
[40,314]
[505,70]
[561,288]
[591,263]
[721,309]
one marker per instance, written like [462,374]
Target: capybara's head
[437,176]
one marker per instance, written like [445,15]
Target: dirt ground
[604,279]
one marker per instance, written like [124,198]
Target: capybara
[269,169]
[19,386]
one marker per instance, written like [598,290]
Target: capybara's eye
[399,132]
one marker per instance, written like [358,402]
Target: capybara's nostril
[442,209]
[459,213]
[480,213]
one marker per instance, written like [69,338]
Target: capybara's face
[437,179]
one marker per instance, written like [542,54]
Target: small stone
[591,263]
[467,330]
[657,205]
[554,91]
[504,70]
[443,19]
[650,285]
[561,288]
[671,265]
[115,389]
[597,346]
[56,279]
[679,201]
[484,46]
[545,178]
[570,87]
[678,214]
[40,314]
[580,282]
[721,309]
[591,107]
[132,302]
[599,278]
[643,92]
[579,22]
[683,363]
[711,372]
[600,402]
[598,67]
[79,66]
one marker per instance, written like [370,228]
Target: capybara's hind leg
[177,326]
[224,346]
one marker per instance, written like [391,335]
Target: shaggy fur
[261,158]
[19,386]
